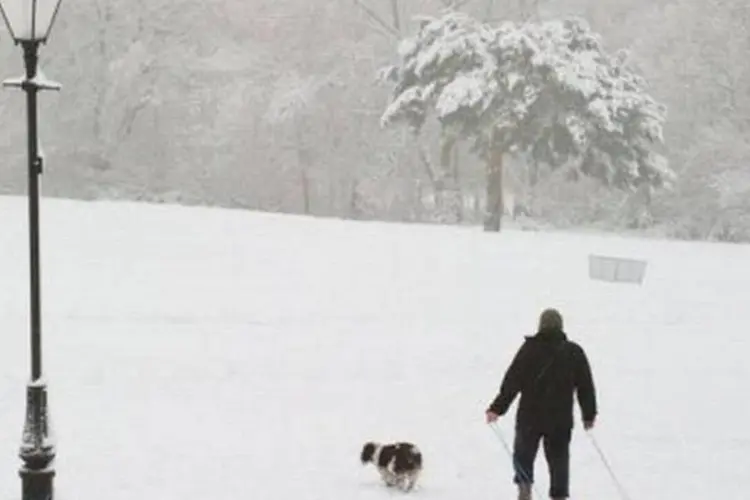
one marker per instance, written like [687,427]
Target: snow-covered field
[200,353]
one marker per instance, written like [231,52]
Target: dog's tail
[368,452]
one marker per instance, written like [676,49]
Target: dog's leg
[403,480]
[411,480]
[406,483]
[383,475]
[394,480]
[388,477]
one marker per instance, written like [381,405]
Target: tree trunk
[305,184]
[303,164]
[447,194]
[448,190]
[355,201]
[456,172]
[494,210]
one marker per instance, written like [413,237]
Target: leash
[517,467]
[620,489]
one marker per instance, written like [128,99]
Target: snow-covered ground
[201,353]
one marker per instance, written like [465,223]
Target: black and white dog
[399,464]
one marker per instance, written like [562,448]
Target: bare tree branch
[396,16]
[455,4]
[126,127]
[377,19]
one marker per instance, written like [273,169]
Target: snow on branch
[547,89]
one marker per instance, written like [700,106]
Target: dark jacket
[546,371]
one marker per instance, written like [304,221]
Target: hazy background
[274,105]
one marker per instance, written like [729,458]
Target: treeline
[274,105]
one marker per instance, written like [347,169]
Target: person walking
[547,371]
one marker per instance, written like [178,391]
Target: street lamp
[29,23]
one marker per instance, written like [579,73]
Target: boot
[524,491]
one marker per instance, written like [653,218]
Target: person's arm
[511,384]
[585,389]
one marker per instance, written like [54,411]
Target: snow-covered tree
[544,91]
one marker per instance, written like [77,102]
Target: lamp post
[29,23]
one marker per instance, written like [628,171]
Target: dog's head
[368,452]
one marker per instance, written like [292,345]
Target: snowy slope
[198,353]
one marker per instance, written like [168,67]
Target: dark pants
[556,451]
